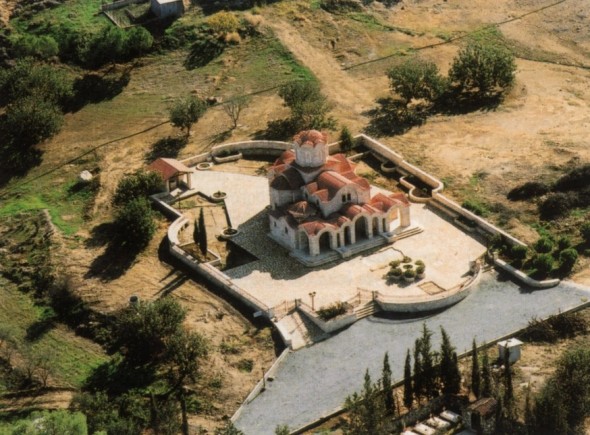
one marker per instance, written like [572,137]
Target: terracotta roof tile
[310,138]
[168,168]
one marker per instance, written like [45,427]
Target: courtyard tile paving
[313,381]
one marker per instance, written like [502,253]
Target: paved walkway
[314,381]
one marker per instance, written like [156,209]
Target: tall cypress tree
[508,388]
[408,393]
[428,369]
[202,233]
[449,370]
[486,375]
[387,387]
[418,384]
[196,236]
[475,373]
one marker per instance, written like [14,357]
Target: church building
[319,205]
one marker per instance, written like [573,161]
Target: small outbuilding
[480,416]
[167,8]
[173,172]
[513,346]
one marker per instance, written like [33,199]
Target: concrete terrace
[276,277]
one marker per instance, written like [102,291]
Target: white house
[513,346]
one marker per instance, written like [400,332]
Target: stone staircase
[411,232]
[303,332]
[350,250]
[367,310]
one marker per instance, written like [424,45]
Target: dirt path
[347,93]
[50,399]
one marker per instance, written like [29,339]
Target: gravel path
[316,380]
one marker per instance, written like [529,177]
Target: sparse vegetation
[334,310]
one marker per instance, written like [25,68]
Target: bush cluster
[333,310]
[528,190]
[564,325]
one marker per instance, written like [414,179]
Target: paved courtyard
[313,381]
[276,277]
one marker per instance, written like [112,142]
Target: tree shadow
[117,376]
[220,137]
[116,259]
[16,162]
[166,147]
[203,51]
[392,117]
[93,88]
[39,328]
[278,129]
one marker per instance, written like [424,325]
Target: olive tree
[416,79]
[483,67]
[187,112]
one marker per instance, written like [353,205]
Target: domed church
[318,205]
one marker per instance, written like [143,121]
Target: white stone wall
[311,157]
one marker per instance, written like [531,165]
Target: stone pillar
[405,217]
[314,246]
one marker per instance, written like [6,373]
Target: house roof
[168,168]
[161,2]
[310,138]
[511,342]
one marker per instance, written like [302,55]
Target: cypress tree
[202,234]
[196,236]
[449,369]
[387,387]
[428,370]
[408,393]
[418,384]
[508,388]
[486,376]
[529,415]
[475,374]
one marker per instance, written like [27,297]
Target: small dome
[310,138]
[302,210]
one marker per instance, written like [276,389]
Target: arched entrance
[360,229]
[303,242]
[325,242]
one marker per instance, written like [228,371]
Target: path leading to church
[314,381]
[347,93]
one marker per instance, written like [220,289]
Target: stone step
[366,310]
[409,233]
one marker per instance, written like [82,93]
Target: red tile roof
[168,168]
[310,138]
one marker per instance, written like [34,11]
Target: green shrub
[420,269]
[564,242]
[543,263]
[518,252]
[417,79]
[394,272]
[40,47]
[135,223]
[409,273]
[577,178]
[341,6]
[333,310]
[557,205]
[475,207]
[394,263]
[585,232]
[528,190]
[406,259]
[419,263]
[543,245]
[140,184]
[567,259]
[346,139]
[223,22]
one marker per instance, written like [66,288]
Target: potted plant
[409,275]
[395,273]
[420,271]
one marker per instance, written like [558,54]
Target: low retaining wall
[521,276]
[259,388]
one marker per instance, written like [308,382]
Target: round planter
[420,275]
[218,196]
[409,278]
[394,278]
[204,166]
[228,233]
[388,167]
